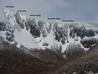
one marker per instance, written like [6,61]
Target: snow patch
[24,38]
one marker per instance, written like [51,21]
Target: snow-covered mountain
[33,33]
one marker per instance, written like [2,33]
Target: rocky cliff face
[33,33]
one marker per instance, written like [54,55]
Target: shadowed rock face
[87,43]
[78,31]
[19,20]
[90,33]
[34,29]
[9,36]
[82,32]
[2,26]
[8,32]
[60,35]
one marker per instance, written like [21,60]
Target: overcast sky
[81,10]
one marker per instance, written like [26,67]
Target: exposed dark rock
[44,34]
[9,36]
[27,26]
[2,26]
[87,43]
[57,37]
[80,32]
[45,44]
[34,29]
[63,41]
[60,34]
[90,33]
[19,20]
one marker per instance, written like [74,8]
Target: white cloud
[37,6]
[96,19]
[46,6]
[60,3]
